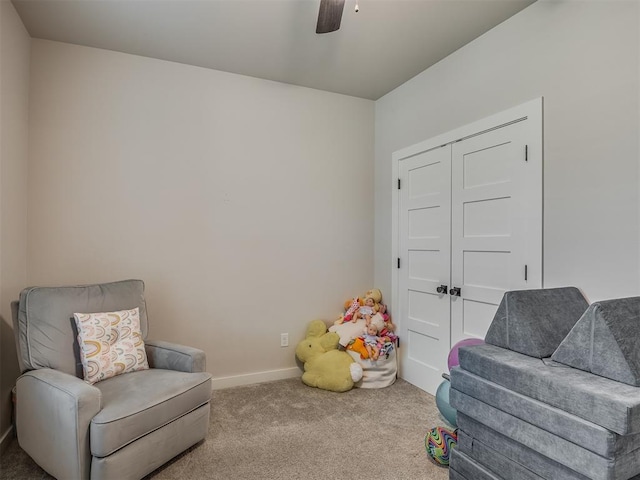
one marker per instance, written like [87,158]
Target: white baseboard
[6,439]
[251,378]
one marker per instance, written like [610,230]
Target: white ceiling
[377,49]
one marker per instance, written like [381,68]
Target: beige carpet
[286,430]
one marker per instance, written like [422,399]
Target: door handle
[442,289]
[455,292]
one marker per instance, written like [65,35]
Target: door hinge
[526,268]
[526,153]
[398,262]
[398,184]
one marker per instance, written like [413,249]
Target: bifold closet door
[469,222]
[425,243]
[494,188]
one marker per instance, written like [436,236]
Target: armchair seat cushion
[137,403]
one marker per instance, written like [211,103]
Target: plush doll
[382,319]
[376,294]
[325,366]
[351,307]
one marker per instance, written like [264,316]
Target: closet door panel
[488,197]
[424,238]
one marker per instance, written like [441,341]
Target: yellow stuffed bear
[325,366]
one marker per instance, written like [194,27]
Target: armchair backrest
[44,325]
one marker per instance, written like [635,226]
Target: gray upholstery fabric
[534,322]
[151,451]
[493,460]
[469,468]
[15,307]
[570,427]
[153,398]
[551,446]
[70,405]
[454,475]
[484,441]
[45,317]
[134,422]
[502,454]
[172,356]
[605,341]
[610,404]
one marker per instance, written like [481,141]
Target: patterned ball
[439,442]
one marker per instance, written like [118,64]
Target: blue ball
[442,402]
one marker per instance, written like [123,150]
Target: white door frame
[531,110]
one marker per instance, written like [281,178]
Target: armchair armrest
[53,414]
[171,356]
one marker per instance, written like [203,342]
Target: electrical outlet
[284,339]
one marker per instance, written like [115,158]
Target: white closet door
[469,211]
[496,207]
[424,237]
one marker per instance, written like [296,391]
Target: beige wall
[245,205]
[582,57]
[14,105]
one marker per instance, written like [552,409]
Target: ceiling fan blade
[329,16]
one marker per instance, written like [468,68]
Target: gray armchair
[123,427]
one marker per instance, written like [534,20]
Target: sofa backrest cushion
[534,322]
[47,332]
[605,341]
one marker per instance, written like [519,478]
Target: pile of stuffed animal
[353,311]
[330,368]
[352,305]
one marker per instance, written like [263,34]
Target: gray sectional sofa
[553,394]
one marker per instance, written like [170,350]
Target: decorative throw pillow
[110,344]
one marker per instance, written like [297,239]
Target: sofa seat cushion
[467,468]
[588,435]
[549,444]
[494,450]
[137,403]
[496,461]
[610,404]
